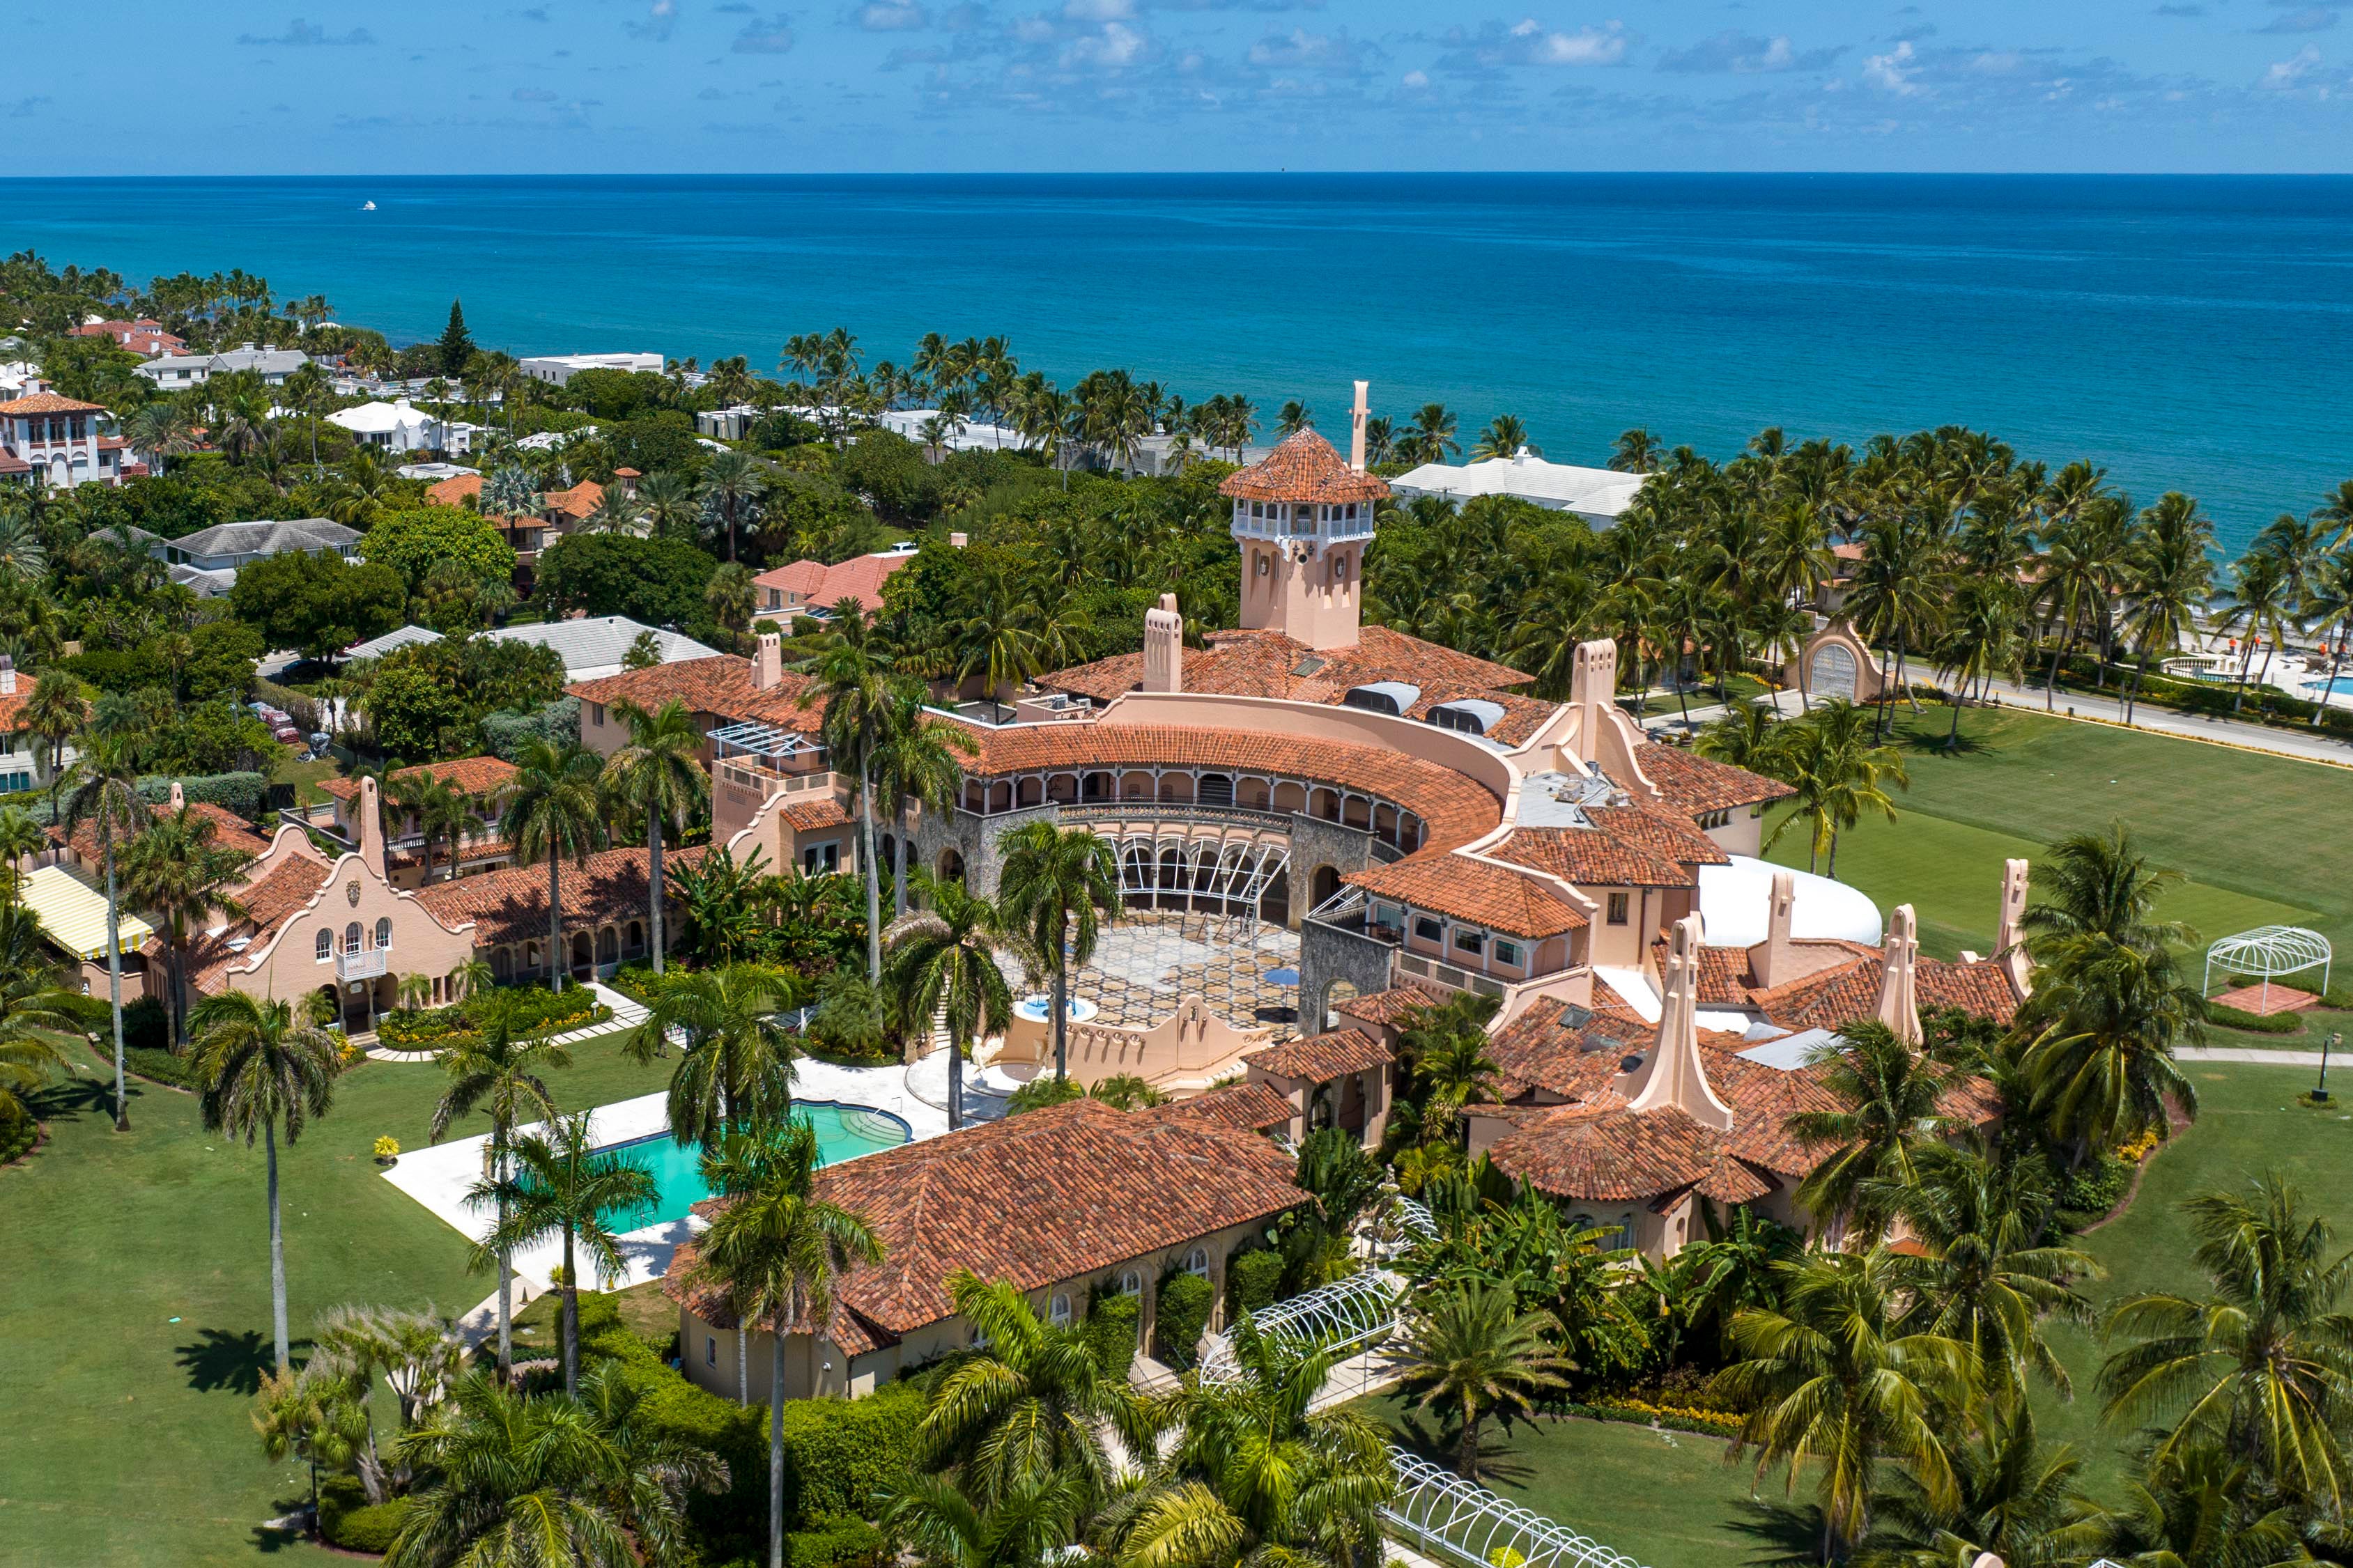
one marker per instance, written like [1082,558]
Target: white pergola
[1343,1317]
[2267,951]
[1461,1521]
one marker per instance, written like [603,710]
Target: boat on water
[368,206]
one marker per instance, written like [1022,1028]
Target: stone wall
[1328,954]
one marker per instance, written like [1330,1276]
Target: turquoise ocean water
[2189,333]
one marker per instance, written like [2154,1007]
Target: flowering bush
[2135,1150]
[1714,1422]
[388,1147]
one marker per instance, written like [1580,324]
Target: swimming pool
[843,1133]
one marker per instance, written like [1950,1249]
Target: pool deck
[438,1175]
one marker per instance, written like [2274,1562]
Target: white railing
[1342,1317]
[1464,1522]
[364,965]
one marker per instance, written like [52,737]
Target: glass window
[1058,1310]
[1507,953]
[1470,941]
[1427,929]
[352,937]
[326,945]
[1130,1283]
[711,1350]
[1198,1262]
[1617,909]
[383,931]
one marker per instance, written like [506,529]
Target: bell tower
[1301,520]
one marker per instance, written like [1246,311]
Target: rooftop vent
[1575,1017]
[1390,697]
[1472,715]
[1631,1063]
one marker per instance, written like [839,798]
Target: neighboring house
[732,424]
[1596,495]
[560,512]
[479,779]
[399,426]
[24,757]
[591,646]
[957,435]
[1059,1204]
[557,369]
[56,443]
[812,586]
[207,559]
[439,472]
[177,372]
[453,490]
[143,337]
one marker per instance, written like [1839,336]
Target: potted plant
[387,1151]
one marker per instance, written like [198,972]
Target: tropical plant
[916,759]
[106,796]
[1059,886]
[657,776]
[736,1069]
[1472,1353]
[554,809]
[851,677]
[943,972]
[42,1017]
[1890,1110]
[178,872]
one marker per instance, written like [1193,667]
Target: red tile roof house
[479,779]
[1056,1202]
[808,587]
[56,442]
[143,337]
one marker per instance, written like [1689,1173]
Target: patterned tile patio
[1150,959]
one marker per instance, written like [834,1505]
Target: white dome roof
[1736,900]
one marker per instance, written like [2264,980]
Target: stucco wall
[1327,954]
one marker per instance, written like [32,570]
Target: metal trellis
[1462,1520]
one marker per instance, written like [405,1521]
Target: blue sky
[223,85]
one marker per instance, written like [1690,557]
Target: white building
[392,426]
[436,471]
[959,434]
[590,647]
[1596,495]
[177,372]
[557,369]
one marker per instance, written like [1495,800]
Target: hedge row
[1253,1281]
[243,793]
[1633,1412]
[1110,1330]
[1181,1318]
[348,1520]
[2254,1022]
[506,734]
[2257,705]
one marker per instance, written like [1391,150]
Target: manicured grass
[123,1433]
[304,776]
[2260,838]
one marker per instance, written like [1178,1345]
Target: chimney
[1772,967]
[1593,690]
[1356,428]
[1899,1006]
[2009,935]
[767,662]
[1163,647]
[1675,1076]
[370,827]
[7,676]
[248,348]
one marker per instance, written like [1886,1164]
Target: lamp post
[2320,1090]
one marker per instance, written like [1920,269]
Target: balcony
[365,965]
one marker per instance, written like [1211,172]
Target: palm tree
[666,502]
[1636,452]
[657,774]
[730,598]
[178,873]
[561,1183]
[1896,596]
[441,812]
[1058,886]
[106,797]
[554,808]
[2201,1507]
[508,491]
[1888,1114]
[1838,774]
[1429,438]
[2108,1017]
[20,836]
[41,1018]
[776,1251]
[2099,884]
[732,483]
[1830,1379]
[1029,1399]
[1473,1352]
[943,966]
[916,759]
[851,678]
[1294,417]
[2329,605]
[1507,435]
[2171,582]
[263,1068]
[736,1070]
[1026,1525]
[493,1068]
[2260,1367]
[56,713]
[528,1482]
[2019,1499]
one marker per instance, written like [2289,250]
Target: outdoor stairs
[1151,1376]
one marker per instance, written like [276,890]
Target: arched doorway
[1832,673]
[1323,885]
[1328,1014]
[584,955]
[951,864]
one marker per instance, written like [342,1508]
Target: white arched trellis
[2267,951]
[1342,1317]
[1439,1511]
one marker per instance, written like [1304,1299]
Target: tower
[1899,1006]
[1301,520]
[2009,939]
[1675,1076]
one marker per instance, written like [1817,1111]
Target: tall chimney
[1163,647]
[1356,428]
[1773,967]
[2009,935]
[370,827]
[1899,1005]
[7,676]
[1674,1074]
[767,662]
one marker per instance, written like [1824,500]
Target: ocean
[2185,333]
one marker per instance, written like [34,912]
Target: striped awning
[73,913]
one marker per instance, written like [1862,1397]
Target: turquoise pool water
[843,1133]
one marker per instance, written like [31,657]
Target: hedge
[2260,704]
[2254,1022]
[1182,1319]
[506,734]
[243,793]
[348,1520]
[537,1011]
[1253,1281]
[844,1541]
[1111,1331]
[2092,1192]
[18,1131]
[1633,1412]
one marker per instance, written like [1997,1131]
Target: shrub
[2254,1022]
[145,1025]
[1111,1330]
[506,734]
[635,980]
[1182,1318]
[156,1064]
[2093,1191]
[18,1131]
[348,1520]
[1253,1280]
[1715,1424]
[844,1541]
[537,1011]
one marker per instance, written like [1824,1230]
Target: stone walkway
[626,1014]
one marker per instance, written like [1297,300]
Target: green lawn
[135,1307]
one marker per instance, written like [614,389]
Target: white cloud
[2288,74]
[1603,45]
[892,16]
[1892,72]
[661,20]
[1417,80]
[1116,47]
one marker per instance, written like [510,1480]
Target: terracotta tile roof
[1049,1195]
[1593,857]
[1838,996]
[467,775]
[284,889]
[1453,809]
[1763,1099]
[12,707]
[49,402]
[230,831]
[576,503]
[719,686]
[1244,1107]
[12,464]
[1269,664]
[511,905]
[860,578]
[1463,888]
[1320,1059]
[1523,716]
[1540,1050]
[1302,467]
[1694,784]
[823,812]
[1615,1156]
[453,490]
[1723,973]
[1393,1008]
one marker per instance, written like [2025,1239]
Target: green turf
[123,1434]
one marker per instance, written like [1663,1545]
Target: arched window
[1198,1262]
[1130,1283]
[352,937]
[326,944]
[1058,1310]
[384,931]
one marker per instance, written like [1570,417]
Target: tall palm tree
[1832,1381]
[1059,886]
[561,1183]
[1026,1525]
[20,838]
[2328,605]
[851,677]
[1896,596]
[1635,452]
[530,1483]
[41,1016]
[660,777]
[495,1069]
[667,504]
[554,808]
[2169,585]
[1507,435]
[916,758]
[1029,1399]
[263,1069]
[1472,1353]
[1429,438]
[1839,773]
[2201,1507]
[2107,1017]
[739,1160]
[943,966]
[776,1252]
[440,811]
[2021,1498]
[2260,1367]
[732,484]
[55,714]
[1888,1114]
[736,1070]
[178,872]
[107,796]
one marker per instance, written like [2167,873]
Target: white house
[591,646]
[392,426]
[1596,495]
[177,372]
[557,369]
